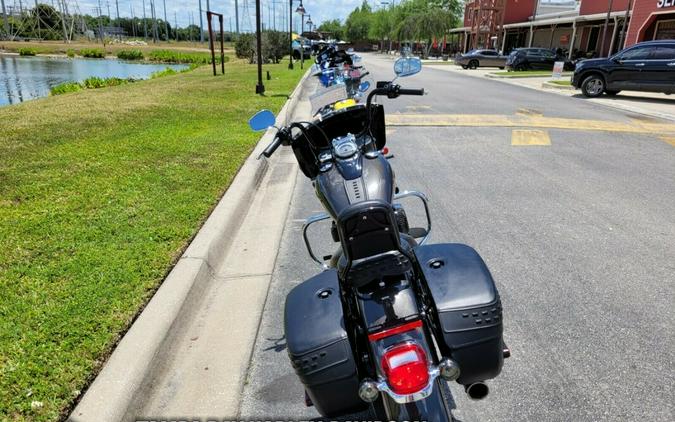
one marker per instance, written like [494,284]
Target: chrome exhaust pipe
[477,391]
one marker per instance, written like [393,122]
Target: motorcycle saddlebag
[468,311]
[318,345]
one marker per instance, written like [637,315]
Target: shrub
[95,53]
[166,72]
[130,55]
[96,82]
[65,87]
[27,51]
[70,53]
[244,47]
[274,44]
[169,56]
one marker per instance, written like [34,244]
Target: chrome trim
[425,201]
[434,373]
[308,222]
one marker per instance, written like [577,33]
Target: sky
[185,10]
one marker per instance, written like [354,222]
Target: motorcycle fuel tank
[349,181]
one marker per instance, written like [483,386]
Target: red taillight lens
[405,367]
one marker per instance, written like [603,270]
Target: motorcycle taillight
[405,367]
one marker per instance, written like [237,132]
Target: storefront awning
[566,20]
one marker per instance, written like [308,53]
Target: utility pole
[100,26]
[117,9]
[166,25]
[133,20]
[38,19]
[63,22]
[4,16]
[107,3]
[153,11]
[201,22]
[145,25]
[236,15]
[175,24]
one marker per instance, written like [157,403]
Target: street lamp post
[300,9]
[260,88]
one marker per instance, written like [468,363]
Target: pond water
[25,78]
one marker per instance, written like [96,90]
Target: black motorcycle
[390,318]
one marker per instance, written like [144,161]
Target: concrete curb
[551,85]
[116,386]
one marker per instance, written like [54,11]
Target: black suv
[648,66]
[535,59]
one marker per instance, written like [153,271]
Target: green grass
[27,52]
[100,192]
[528,74]
[94,53]
[561,82]
[130,55]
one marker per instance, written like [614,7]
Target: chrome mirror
[262,120]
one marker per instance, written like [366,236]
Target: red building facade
[589,30]
[651,19]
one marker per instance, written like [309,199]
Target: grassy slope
[58,47]
[100,191]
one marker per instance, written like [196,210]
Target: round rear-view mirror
[262,120]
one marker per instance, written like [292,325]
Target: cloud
[187,11]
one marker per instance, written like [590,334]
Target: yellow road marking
[669,140]
[418,107]
[497,120]
[528,112]
[530,138]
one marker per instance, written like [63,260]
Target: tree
[334,27]
[381,26]
[358,23]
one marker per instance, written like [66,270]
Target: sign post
[558,70]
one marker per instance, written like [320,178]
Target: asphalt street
[579,233]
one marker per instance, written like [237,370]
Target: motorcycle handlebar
[404,91]
[272,147]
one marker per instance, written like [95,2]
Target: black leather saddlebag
[468,311]
[319,347]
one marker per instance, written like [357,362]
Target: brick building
[581,28]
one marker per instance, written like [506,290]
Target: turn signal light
[405,366]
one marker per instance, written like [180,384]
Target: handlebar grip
[272,147]
[404,91]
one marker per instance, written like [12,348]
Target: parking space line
[527,121]
[668,139]
[530,138]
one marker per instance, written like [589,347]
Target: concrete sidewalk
[645,103]
[188,352]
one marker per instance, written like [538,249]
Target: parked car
[535,59]
[648,66]
[481,58]
[296,50]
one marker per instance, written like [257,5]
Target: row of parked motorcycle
[389,319]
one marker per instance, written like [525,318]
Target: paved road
[579,234]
